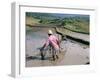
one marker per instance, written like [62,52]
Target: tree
[63,23]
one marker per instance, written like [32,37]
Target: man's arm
[58,42]
[46,44]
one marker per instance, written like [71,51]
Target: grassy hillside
[32,21]
[77,23]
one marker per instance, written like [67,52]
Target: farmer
[52,42]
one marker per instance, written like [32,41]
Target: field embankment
[84,38]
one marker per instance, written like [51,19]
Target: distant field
[75,23]
[32,21]
[81,27]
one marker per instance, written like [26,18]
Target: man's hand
[40,48]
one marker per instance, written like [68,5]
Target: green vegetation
[32,21]
[76,23]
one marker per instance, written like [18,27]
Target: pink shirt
[53,40]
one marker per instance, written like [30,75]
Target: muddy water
[73,53]
[35,38]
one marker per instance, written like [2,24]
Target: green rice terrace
[66,24]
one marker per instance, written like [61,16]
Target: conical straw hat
[50,32]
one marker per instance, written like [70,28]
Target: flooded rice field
[73,53]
